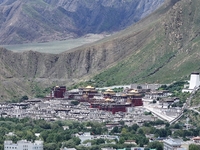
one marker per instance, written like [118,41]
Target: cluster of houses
[61,109]
[100,105]
[168,143]
[94,105]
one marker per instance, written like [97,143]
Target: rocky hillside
[164,48]
[160,48]
[23,21]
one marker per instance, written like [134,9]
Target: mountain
[162,48]
[47,20]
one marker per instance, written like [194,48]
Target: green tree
[50,138]
[44,135]
[50,146]
[14,138]
[161,132]
[134,127]
[140,131]
[100,141]
[29,135]
[124,131]
[115,130]
[76,140]
[72,142]
[155,145]
[194,147]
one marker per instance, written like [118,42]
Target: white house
[23,145]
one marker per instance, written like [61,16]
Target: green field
[55,47]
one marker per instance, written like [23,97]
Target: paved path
[173,119]
[159,114]
[194,110]
[187,106]
[195,106]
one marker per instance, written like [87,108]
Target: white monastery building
[194,82]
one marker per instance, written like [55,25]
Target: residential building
[137,148]
[85,136]
[196,139]
[173,144]
[23,145]
[108,148]
[68,148]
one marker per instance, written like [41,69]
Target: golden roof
[133,91]
[109,90]
[85,96]
[134,94]
[89,87]
[109,100]
[123,94]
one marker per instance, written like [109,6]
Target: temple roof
[89,87]
[109,91]
[123,94]
[133,91]
[109,100]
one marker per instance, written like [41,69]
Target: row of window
[25,147]
[10,147]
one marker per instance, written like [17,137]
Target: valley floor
[55,47]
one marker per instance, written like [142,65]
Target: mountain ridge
[161,48]
[48,20]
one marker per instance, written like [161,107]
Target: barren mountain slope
[161,48]
[23,21]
